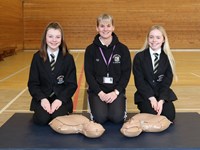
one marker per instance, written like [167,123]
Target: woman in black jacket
[107,69]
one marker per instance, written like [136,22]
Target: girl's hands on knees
[154,103]
[46,105]
[55,105]
[160,106]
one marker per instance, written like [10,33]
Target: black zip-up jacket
[95,67]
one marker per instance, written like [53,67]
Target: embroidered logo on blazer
[160,78]
[60,79]
[116,59]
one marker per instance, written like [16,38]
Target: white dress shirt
[55,54]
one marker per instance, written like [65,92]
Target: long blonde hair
[166,47]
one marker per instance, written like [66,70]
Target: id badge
[108,80]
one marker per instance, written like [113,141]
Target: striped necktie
[52,68]
[156,63]
[52,62]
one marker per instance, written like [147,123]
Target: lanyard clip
[107,74]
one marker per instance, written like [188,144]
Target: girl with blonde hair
[153,70]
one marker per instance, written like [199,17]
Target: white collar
[157,51]
[54,52]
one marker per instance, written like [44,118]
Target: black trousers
[102,112]
[168,109]
[42,117]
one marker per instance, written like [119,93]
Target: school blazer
[149,84]
[42,82]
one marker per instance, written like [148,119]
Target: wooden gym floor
[14,95]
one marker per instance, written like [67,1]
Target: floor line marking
[14,73]
[18,111]
[188,109]
[75,101]
[195,74]
[78,90]
[13,100]
[83,49]
[76,56]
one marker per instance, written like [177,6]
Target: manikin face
[155,39]
[105,29]
[53,39]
